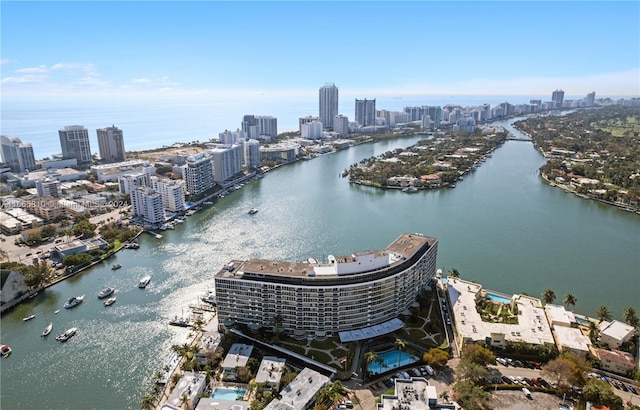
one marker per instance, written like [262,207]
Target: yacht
[67,335]
[105,293]
[253,211]
[24,319]
[47,330]
[410,190]
[110,301]
[144,282]
[182,322]
[209,298]
[5,351]
[73,301]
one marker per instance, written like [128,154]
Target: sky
[289,49]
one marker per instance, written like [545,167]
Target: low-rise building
[569,339]
[300,394]
[615,333]
[77,246]
[531,327]
[270,371]
[557,315]
[238,356]
[190,385]
[414,394]
[615,361]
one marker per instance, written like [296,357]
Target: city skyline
[200,49]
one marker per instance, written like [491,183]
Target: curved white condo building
[346,293]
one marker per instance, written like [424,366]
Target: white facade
[328,103]
[227,161]
[615,333]
[111,144]
[146,203]
[232,137]
[341,125]
[347,293]
[49,187]
[112,172]
[198,174]
[267,125]
[17,155]
[572,340]
[311,130]
[252,154]
[366,112]
[172,192]
[127,182]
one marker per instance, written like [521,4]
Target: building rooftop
[208,403]
[615,329]
[413,394]
[190,384]
[300,391]
[557,315]
[405,247]
[532,326]
[270,370]
[238,356]
[623,359]
[571,338]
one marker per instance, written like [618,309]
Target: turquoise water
[497,298]
[227,394]
[391,361]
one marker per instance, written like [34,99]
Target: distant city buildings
[111,144]
[341,125]
[590,99]
[260,127]
[311,130]
[232,137]
[74,141]
[17,155]
[328,105]
[366,112]
[557,97]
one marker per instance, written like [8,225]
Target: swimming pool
[497,298]
[391,359]
[223,393]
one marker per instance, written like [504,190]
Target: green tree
[436,357]
[468,370]
[48,231]
[631,317]
[475,353]
[85,229]
[603,313]
[148,402]
[570,300]
[548,296]
[370,357]
[470,396]
[601,393]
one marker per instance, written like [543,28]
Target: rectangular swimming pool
[223,393]
[497,298]
[391,359]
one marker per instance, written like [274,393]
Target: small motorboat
[116,266]
[24,319]
[73,301]
[253,211]
[47,330]
[67,335]
[5,351]
[144,282]
[110,301]
[57,311]
[105,292]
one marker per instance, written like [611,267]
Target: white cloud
[5,61]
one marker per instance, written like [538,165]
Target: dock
[154,234]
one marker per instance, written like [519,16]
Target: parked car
[507,380]
[430,370]
[544,383]
[632,389]
[536,382]
[502,361]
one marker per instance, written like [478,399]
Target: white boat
[110,301]
[410,190]
[253,211]
[47,330]
[144,282]
[67,335]
[5,351]
[24,319]
[73,301]
[182,322]
[209,298]
[57,311]
[105,292]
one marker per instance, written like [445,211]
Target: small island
[437,161]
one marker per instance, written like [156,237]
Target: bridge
[514,138]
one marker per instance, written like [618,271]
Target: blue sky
[285,49]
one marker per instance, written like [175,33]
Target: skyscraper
[328,105]
[74,140]
[590,100]
[111,144]
[557,97]
[17,155]
[366,112]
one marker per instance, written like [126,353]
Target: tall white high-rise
[366,112]
[328,105]
[252,154]
[198,173]
[147,203]
[227,161]
[74,141]
[341,125]
[557,97]
[172,192]
[111,144]
[17,155]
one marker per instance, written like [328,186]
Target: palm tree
[454,273]
[570,300]
[548,296]
[594,332]
[400,345]
[147,402]
[631,317]
[370,357]
[603,313]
